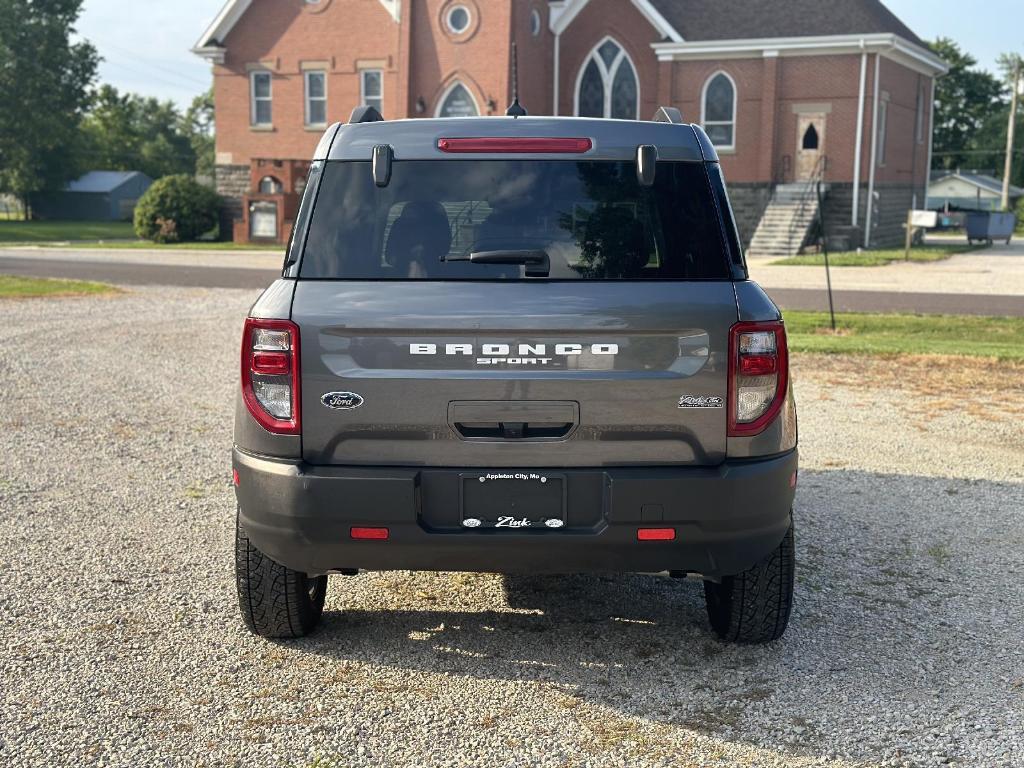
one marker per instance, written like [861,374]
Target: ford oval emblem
[342,401]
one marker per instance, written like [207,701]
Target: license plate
[513,500]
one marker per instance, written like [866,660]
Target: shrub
[1020,214]
[176,209]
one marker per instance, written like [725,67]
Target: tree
[176,209]
[965,101]
[128,132]
[986,148]
[44,84]
[198,124]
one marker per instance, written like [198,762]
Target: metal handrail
[824,252]
[782,170]
[808,195]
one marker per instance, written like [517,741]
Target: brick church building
[790,91]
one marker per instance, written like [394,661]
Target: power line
[40,67]
[976,152]
[116,155]
[159,79]
[140,60]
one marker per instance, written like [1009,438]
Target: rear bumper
[726,518]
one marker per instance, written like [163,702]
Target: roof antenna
[515,109]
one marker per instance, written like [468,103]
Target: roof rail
[365,114]
[668,115]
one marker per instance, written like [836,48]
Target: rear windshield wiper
[537,263]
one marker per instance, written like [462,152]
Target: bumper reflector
[656,534]
[372,534]
[234,477]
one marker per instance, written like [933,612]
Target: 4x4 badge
[702,401]
[342,401]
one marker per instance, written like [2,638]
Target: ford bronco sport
[515,345]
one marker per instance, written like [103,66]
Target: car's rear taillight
[270,374]
[758,376]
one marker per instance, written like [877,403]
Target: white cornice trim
[563,12]
[889,45]
[212,53]
[394,7]
[219,28]
[928,60]
[211,44]
[658,21]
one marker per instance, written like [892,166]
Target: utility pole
[1008,167]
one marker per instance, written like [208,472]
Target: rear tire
[754,606]
[275,600]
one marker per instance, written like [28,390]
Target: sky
[146,45]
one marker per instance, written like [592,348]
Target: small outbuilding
[96,196]
[968,191]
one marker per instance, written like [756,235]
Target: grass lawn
[200,245]
[879,258]
[51,231]
[102,234]
[1001,338]
[12,287]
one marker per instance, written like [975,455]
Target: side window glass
[298,237]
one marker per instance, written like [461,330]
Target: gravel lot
[121,642]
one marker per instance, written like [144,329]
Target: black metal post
[824,252]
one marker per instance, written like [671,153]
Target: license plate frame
[511,500]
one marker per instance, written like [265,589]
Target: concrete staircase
[786,222]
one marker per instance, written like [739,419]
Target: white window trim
[362,85]
[704,106]
[447,92]
[448,19]
[308,100]
[608,75]
[252,97]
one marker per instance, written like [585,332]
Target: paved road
[997,270]
[129,273]
[126,273]
[892,301]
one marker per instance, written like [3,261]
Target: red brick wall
[766,133]
[829,80]
[478,58]
[766,128]
[282,34]
[421,58]
[621,20]
[906,157]
[536,58]
[688,79]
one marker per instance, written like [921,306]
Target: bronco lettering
[522,350]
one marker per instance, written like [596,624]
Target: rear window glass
[514,219]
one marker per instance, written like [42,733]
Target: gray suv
[515,345]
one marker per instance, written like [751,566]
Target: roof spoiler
[366,114]
[668,115]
